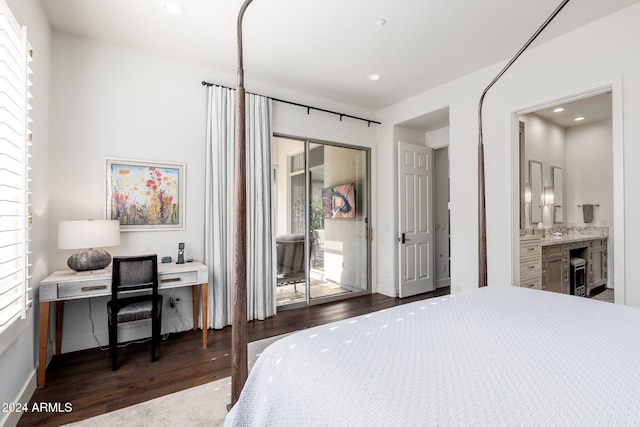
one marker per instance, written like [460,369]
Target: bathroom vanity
[554,256]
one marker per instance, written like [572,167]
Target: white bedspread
[495,356]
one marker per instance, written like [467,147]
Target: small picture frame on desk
[145,195]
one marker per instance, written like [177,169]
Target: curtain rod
[308,107]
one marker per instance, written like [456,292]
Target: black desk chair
[132,274]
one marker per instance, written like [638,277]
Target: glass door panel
[338,220]
[290,192]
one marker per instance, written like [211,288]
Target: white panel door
[415,237]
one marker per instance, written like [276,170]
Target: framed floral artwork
[145,195]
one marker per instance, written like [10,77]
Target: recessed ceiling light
[578,119]
[558,110]
[374,76]
[173,8]
[381,22]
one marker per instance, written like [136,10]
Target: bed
[498,355]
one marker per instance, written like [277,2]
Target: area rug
[204,405]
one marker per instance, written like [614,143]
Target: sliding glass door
[322,221]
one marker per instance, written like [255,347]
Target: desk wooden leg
[42,350]
[204,298]
[205,312]
[59,319]
[194,298]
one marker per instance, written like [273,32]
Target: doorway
[570,155]
[322,221]
[423,173]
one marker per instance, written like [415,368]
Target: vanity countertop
[559,240]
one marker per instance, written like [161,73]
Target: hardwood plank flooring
[85,380]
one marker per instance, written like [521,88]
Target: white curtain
[261,259]
[261,276]
[218,202]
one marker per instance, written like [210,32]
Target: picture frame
[145,195]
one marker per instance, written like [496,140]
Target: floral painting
[145,195]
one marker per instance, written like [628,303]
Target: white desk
[66,285]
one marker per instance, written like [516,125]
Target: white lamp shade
[549,196]
[527,193]
[88,234]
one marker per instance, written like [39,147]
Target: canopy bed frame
[239,368]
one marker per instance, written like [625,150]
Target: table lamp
[88,235]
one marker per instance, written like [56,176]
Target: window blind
[15,139]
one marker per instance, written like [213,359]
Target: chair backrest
[290,253]
[134,273]
[318,236]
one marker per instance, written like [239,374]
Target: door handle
[403,239]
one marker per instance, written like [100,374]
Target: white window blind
[15,139]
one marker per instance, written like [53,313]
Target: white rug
[204,405]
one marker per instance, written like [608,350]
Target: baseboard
[25,396]
[352,288]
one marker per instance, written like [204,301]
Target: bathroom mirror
[535,179]
[558,184]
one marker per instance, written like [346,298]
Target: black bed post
[482,209]
[239,369]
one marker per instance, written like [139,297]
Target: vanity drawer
[168,280]
[530,266]
[530,248]
[533,282]
[84,288]
[531,262]
[551,250]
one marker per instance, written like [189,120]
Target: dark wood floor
[85,380]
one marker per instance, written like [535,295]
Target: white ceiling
[593,109]
[326,48]
[429,122]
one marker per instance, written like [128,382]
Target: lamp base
[90,259]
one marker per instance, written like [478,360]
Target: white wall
[437,138]
[589,173]
[19,359]
[109,101]
[598,52]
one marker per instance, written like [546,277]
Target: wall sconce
[527,193]
[87,235]
[549,197]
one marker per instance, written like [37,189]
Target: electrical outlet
[174,302]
